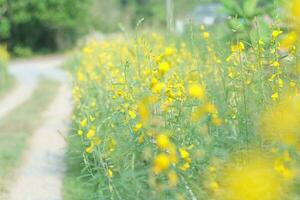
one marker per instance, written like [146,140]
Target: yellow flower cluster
[172,120]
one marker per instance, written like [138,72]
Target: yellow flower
[206,35]
[276,33]
[184,154]
[158,87]
[163,141]
[132,114]
[170,51]
[238,47]
[251,178]
[90,148]
[137,127]
[289,40]
[110,173]
[296,8]
[83,123]
[144,111]
[281,123]
[163,68]
[197,91]
[214,186]
[275,96]
[161,163]
[185,167]
[276,64]
[91,133]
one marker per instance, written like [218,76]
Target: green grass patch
[8,85]
[75,185]
[17,127]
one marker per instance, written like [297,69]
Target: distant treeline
[42,24]
[48,25]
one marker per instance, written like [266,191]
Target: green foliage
[107,15]
[246,15]
[41,24]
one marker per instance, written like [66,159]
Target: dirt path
[40,174]
[27,73]
[15,98]
[40,177]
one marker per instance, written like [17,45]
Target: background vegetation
[41,25]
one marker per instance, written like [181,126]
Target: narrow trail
[40,174]
[15,98]
[40,177]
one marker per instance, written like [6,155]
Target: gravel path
[40,174]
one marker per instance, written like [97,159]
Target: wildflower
[185,155]
[275,96]
[91,133]
[251,178]
[206,35]
[238,48]
[170,51]
[144,111]
[276,33]
[276,64]
[83,123]
[214,186]
[283,170]
[132,114]
[296,8]
[163,141]
[157,88]
[163,68]
[185,167]
[197,91]
[161,163]
[90,148]
[281,123]
[137,127]
[110,173]
[289,40]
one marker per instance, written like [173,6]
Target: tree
[42,23]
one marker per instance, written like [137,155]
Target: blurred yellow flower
[161,163]
[197,91]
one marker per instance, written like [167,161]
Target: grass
[75,187]
[9,84]
[17,127]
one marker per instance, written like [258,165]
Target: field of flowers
[160,117]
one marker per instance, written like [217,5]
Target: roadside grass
[75,185]
[8,85]
[17,127]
